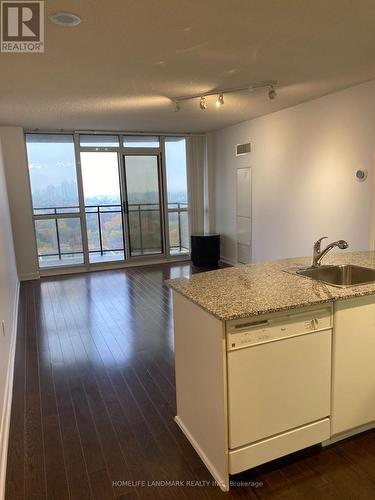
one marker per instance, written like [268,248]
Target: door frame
[141,152]
[83,206]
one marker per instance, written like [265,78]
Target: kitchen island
[269,362]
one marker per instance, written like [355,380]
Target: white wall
[8,313]
[17,176]
[303,162]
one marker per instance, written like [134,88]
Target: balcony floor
[96,258]
[75,260]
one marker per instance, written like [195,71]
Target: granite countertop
[254,289]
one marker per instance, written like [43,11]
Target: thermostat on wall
[361,175]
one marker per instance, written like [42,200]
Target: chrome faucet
[319,254]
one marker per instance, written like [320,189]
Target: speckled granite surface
[238,292]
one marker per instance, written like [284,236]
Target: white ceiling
[119,67]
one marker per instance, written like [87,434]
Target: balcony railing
[178,236]
[57,242]
[107,243]
[145,228]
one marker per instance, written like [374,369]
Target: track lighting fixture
[202,102]
[272,93]
[252,87]
[220,100]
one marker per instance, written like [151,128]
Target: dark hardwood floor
[94,401]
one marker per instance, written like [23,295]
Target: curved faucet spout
[319,253]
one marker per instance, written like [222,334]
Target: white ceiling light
[176,106]
[272,93]
[220,100]
[202,102]
[65,19]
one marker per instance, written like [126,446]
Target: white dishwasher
[279,384]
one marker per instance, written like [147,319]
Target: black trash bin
[205,249]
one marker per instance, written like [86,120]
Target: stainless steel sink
[341,276]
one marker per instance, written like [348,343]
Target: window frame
[56,215]
[122,151]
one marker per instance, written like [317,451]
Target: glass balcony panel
[46,237]
[59,242]
[174,240]
[111,225]
[179,239]
[93,231]
[185,236]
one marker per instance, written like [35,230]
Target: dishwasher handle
[253,324]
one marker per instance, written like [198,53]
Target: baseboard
[347,434]
[5,417]
[231,262]
[221,482]
[29,276]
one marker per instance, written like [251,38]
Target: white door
[244,215]
[278,386]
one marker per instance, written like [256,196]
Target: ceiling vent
[243,149]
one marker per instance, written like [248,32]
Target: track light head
[176,106]
[272,93]
[220,100]
[202,102]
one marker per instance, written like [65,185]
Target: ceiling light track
[267,84]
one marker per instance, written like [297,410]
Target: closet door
[244,215]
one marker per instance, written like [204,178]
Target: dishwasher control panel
[259,330]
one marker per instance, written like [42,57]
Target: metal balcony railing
[137,235]
[182,245]
[99,210]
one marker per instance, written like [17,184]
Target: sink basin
[342,276]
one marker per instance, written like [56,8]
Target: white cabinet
[353,374]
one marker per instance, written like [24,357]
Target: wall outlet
[3,328]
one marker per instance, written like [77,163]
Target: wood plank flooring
[94,401]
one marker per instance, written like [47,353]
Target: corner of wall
[19,196]
[8,392]
[9,298]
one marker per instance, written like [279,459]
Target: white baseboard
[5,417]
[29,276]
[348,434]
[221,482]
[231,262]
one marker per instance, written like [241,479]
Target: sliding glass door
[143,204]
[103,206]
